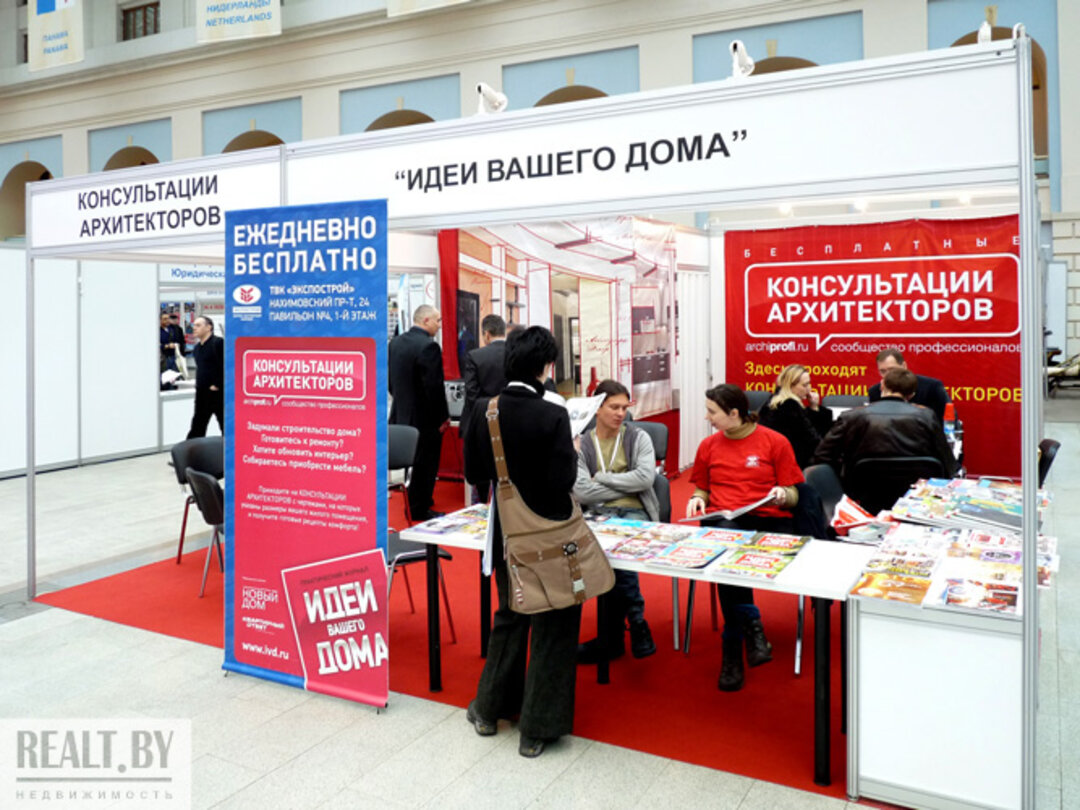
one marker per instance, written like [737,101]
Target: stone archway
[1039,93]
[13,197]
[130,156]
[255,139]
[573,92]
[399,118]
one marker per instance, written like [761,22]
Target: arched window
[398,118]
[255,139]
[573,92]
[130,156]
[13,197]
[1038,86]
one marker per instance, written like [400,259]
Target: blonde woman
[795,412]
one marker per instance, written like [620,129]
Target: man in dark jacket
[484,375]
[209,354]
[416,384]
[892,426]
[928,391]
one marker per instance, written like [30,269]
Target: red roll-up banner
[944,292]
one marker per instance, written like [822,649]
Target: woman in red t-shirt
[740,464]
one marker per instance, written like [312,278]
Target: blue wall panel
[154,136]
[822,40]
[613,72]
[282,118]
[438,97]
[49,152]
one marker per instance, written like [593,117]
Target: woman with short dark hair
[741,463]
[542,463]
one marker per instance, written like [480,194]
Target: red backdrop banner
[944,292]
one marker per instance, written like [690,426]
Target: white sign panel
[198,274]
[54,33]
[842,126]
[150,208]
[217,20]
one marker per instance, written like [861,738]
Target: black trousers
[531,665]
[207,403]
[737,601]
[425,469]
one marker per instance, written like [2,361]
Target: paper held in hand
[582,410]
[728,514]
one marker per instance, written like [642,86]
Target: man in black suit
[892,426]
[209,354]
[928,391]
[484,375]
[416,384]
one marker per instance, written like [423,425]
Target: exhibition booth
[643,230]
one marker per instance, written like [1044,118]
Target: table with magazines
[821,570]
[936,626]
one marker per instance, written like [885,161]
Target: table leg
[603,668]
[822,615]
[434,643]
[675,610]
[843,667]
[485,609]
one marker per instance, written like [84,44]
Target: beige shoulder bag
[552,564]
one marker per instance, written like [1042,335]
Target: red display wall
[944,292]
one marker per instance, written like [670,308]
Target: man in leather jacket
[892,426]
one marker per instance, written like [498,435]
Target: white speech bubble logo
[305,375]
[247,294]
[821,339]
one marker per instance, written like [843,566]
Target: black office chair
[877,483]
[823,478]
[211,502]
[206,454]
[1047,451]
[658,433]
[758,399]
[401,553]
[401,441]
[844,401]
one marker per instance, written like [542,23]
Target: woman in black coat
[542,463]
[795,412]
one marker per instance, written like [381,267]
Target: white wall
[119,358]
[55,361]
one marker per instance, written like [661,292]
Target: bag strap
[497,442]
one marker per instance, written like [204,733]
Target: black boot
[641,640]
[595,651]
[758,648]
[731,669]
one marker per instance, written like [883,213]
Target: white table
[822,570]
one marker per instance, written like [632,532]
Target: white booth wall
[95,365]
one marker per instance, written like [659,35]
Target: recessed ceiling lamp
[786,209]
[860,204]
[964,199]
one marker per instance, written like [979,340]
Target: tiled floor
[258,744]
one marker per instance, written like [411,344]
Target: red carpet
[667,704]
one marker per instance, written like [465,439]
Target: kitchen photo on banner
[944,292]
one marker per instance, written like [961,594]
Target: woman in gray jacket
[616,468]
